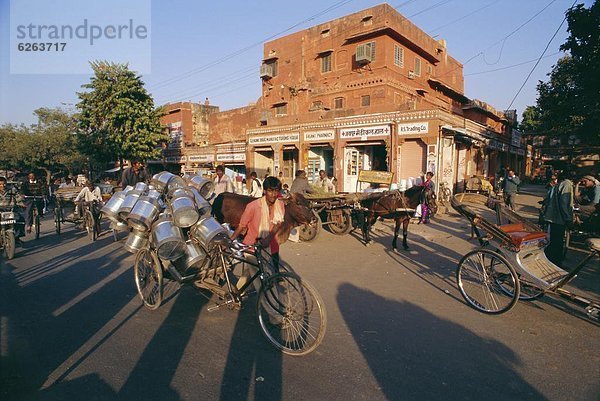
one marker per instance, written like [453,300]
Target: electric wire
[317,44]
[540,58]
[246,48]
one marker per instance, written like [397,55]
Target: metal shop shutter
[413,157]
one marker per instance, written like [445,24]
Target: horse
[229,207]
[395,205]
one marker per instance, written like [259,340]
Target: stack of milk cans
[171,216]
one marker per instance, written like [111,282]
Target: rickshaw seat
[518,233]
[593,244]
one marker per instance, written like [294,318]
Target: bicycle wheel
[37,226]
[89,224]
[487,281]
[148,277]
[9,244]
[291,314]
[57,217]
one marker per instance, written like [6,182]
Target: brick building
[187,125]
[366,91]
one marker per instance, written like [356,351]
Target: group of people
[559,205]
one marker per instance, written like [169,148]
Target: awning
[290,147]
[475,138]
[263,149]
[320,145]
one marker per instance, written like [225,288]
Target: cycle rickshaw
[511,264]
[65,212]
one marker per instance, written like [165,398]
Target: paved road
[72,328]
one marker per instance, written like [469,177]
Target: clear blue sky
[189,35]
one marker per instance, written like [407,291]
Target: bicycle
[290,312]
[35,217]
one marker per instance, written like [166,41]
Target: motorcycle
[9,227]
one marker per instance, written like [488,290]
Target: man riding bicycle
[10,198]
[36,190]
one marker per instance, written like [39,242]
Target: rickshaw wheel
[90,225]
[148,278]
[487,281]
[309,232]
[291,314]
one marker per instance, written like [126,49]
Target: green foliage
[531,120]
[569,102]
[117,118]
[50,144]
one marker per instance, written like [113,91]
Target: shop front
[318,153]
[200,162]
[270,154]
[364,148]
[417,153]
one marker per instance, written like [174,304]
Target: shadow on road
[411,360]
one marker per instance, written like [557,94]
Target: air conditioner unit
[411,75]
[266,71]
[364,53]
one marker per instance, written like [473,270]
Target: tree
[117,118]
[51,144]
[568,103]
[531,120]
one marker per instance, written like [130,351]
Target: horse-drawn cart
[338,212]
[511,263]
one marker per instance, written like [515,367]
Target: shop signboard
[176,134]
[314,136]
[377,177]
[267,139]
[175,159]
[516,138]
[413,128]
[231,157]
[201,158]
[364,133]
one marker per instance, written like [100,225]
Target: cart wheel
[309,232]
[528,291]
[9,244]
[90,225]
[57,219]
[291,314]
[487,281]
[148,278]
[341,222]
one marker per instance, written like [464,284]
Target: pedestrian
[429,186]
[300,184]
[510,187]
[222,181]
[256,190]
[67,184]
[324,183]
[559,215]
[134,174]
[588,197]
